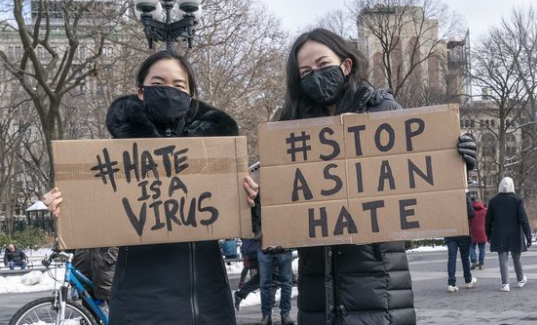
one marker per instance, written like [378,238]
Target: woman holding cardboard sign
[346,284]
[179,283]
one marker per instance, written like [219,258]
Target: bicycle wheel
[40,312]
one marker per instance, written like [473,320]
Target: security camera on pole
[186,14]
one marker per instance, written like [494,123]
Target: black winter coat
[179,283]
[16,256]
[506,224]
[356,284]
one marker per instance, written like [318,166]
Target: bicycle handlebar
[55,255]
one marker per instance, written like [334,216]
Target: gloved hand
[528,242]
[467,148]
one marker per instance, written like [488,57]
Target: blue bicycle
[60,309]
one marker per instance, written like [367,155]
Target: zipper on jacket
[339,308]
[124,266]
[331,306]
[193,283]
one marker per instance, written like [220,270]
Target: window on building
[488,145]
[40,52]
[510,145]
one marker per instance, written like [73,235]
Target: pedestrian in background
[249,256]
[461,244]
[98,264]
[506,226]
[249,250]
[14,257]
[267,263]
[479,238]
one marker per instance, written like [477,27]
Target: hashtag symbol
[105,169]
[293,149]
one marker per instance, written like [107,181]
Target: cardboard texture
[363,178]
[147,191]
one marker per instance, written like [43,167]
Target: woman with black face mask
[178,283]
[346,284]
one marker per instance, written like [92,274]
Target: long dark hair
[297,103]
[170,55]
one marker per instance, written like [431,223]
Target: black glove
[467,148]
[528,243]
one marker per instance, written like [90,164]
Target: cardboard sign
[363,178]
[146,191]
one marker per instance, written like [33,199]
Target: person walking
[479,238]
[508,230]
[266,262]
[461,244]
[249,254]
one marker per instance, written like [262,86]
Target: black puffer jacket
[357,284]
[180,283]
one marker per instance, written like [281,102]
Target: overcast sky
[480,15]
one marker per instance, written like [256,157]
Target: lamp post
[149,12]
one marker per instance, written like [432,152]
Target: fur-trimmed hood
[126,118]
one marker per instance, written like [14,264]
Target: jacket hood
[506,185]
[127,118]
[478,205]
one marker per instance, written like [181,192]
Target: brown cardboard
[387,159]
[209,178]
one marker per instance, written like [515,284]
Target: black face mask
[324,85]
[165,105]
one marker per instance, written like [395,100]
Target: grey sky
[479,14]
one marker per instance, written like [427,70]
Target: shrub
[30,238]
[4,241]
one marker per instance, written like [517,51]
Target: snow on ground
[236,267]
[254,298]
[38,281]
[41,252]
[437,248]
[31,282]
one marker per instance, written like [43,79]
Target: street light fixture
[187,13]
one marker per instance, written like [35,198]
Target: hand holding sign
[53,200]
[252,189]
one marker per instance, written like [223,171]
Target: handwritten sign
[142,191]
[362,178]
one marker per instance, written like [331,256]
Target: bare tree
[239,62]
[405,40]
[503,66]
[341,22]
[13,126]
[500,67]
[61,43]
